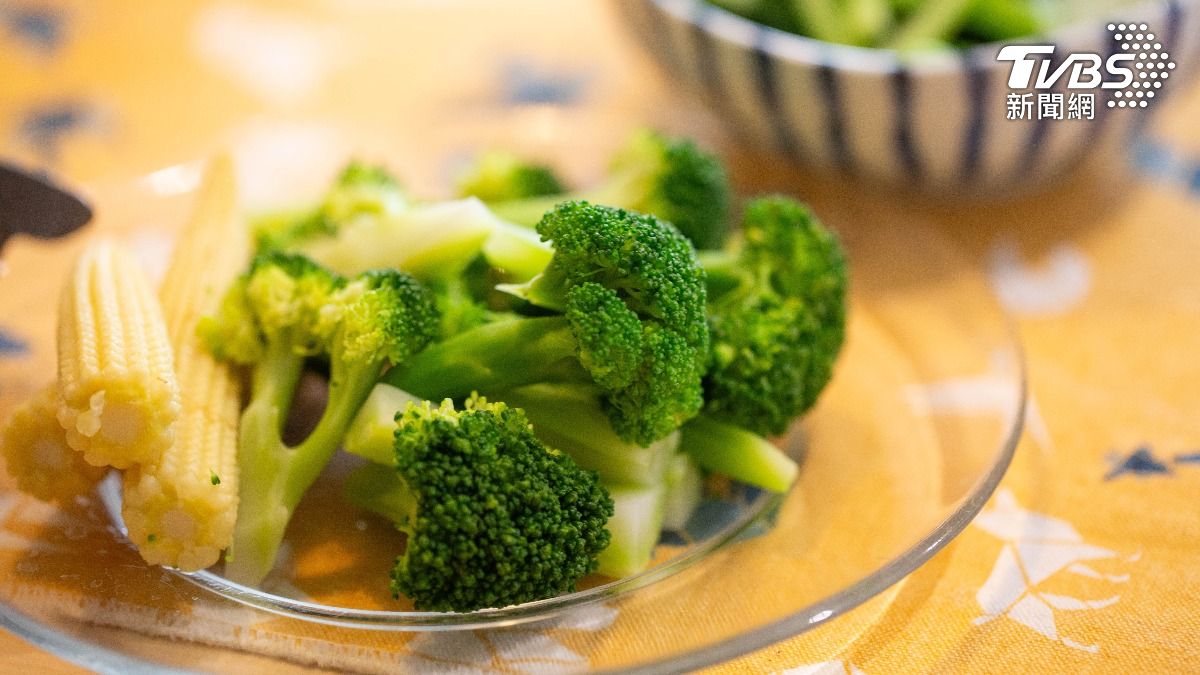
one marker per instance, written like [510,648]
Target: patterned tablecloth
[1084,560]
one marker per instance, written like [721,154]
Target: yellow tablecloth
[1086,558]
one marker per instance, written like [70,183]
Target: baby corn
[36,453]
[180,509]
[120,397]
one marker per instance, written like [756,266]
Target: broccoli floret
[670,178]
[359,190]
[648,484]
[301,309]
[497,175]
[492,516]
[777,313]
[367,222]
[628,302]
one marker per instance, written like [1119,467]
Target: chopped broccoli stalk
[377,488]
[497,175]
[372,433]
[492,516]
[777,314]
[359,190]
[518,251]
[570,418]
[669,178]
[684,483]
[493,357]
[301,309]
[629,303]
[635,526]
[366,222]
[426,240]
[739,454]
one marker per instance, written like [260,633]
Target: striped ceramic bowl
[938,120]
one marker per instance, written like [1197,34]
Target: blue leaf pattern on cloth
[1189,458]
[12,345]
[44,127]
[525,83]
[1141,462]
[40,26]
[1157,161]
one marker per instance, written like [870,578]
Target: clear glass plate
[909,441]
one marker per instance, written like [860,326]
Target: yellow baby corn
[180,510]
[119,394]
[36,453]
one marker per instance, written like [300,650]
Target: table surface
[1101,281]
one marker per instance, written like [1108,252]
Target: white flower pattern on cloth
[1037,547]
[1051,289]
[987,394]
[527,649]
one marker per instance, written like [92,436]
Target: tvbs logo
[1135,70]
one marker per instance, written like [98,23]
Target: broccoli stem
[261,458]
[379,489]
[274,476]
[349,386]
[518,251]
[570,419]
[635,526]
[739,454]
[372,433]
[723,272]
[491,358]
[684,489]
[620,189]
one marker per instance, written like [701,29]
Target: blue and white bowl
[934,120]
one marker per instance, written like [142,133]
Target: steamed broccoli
[360,190]
[653,488]
[626,299]
[492,516]
[498,175]
[367,222]
[665,177]
[777,312]
[300,309]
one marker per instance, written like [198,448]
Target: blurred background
[1086,235]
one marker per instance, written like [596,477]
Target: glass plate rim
[883,578]
[759,508]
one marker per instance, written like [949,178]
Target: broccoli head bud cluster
[496,518]
[635,298]
[499,175]
[776,335]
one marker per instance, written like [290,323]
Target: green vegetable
[493,517]
[366,222]
[777,314]
[910,25]
[739,454]
[569,418]
[499,175]
[300,309]
[684,483]
[669,178]
[635,526]
[626,299]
